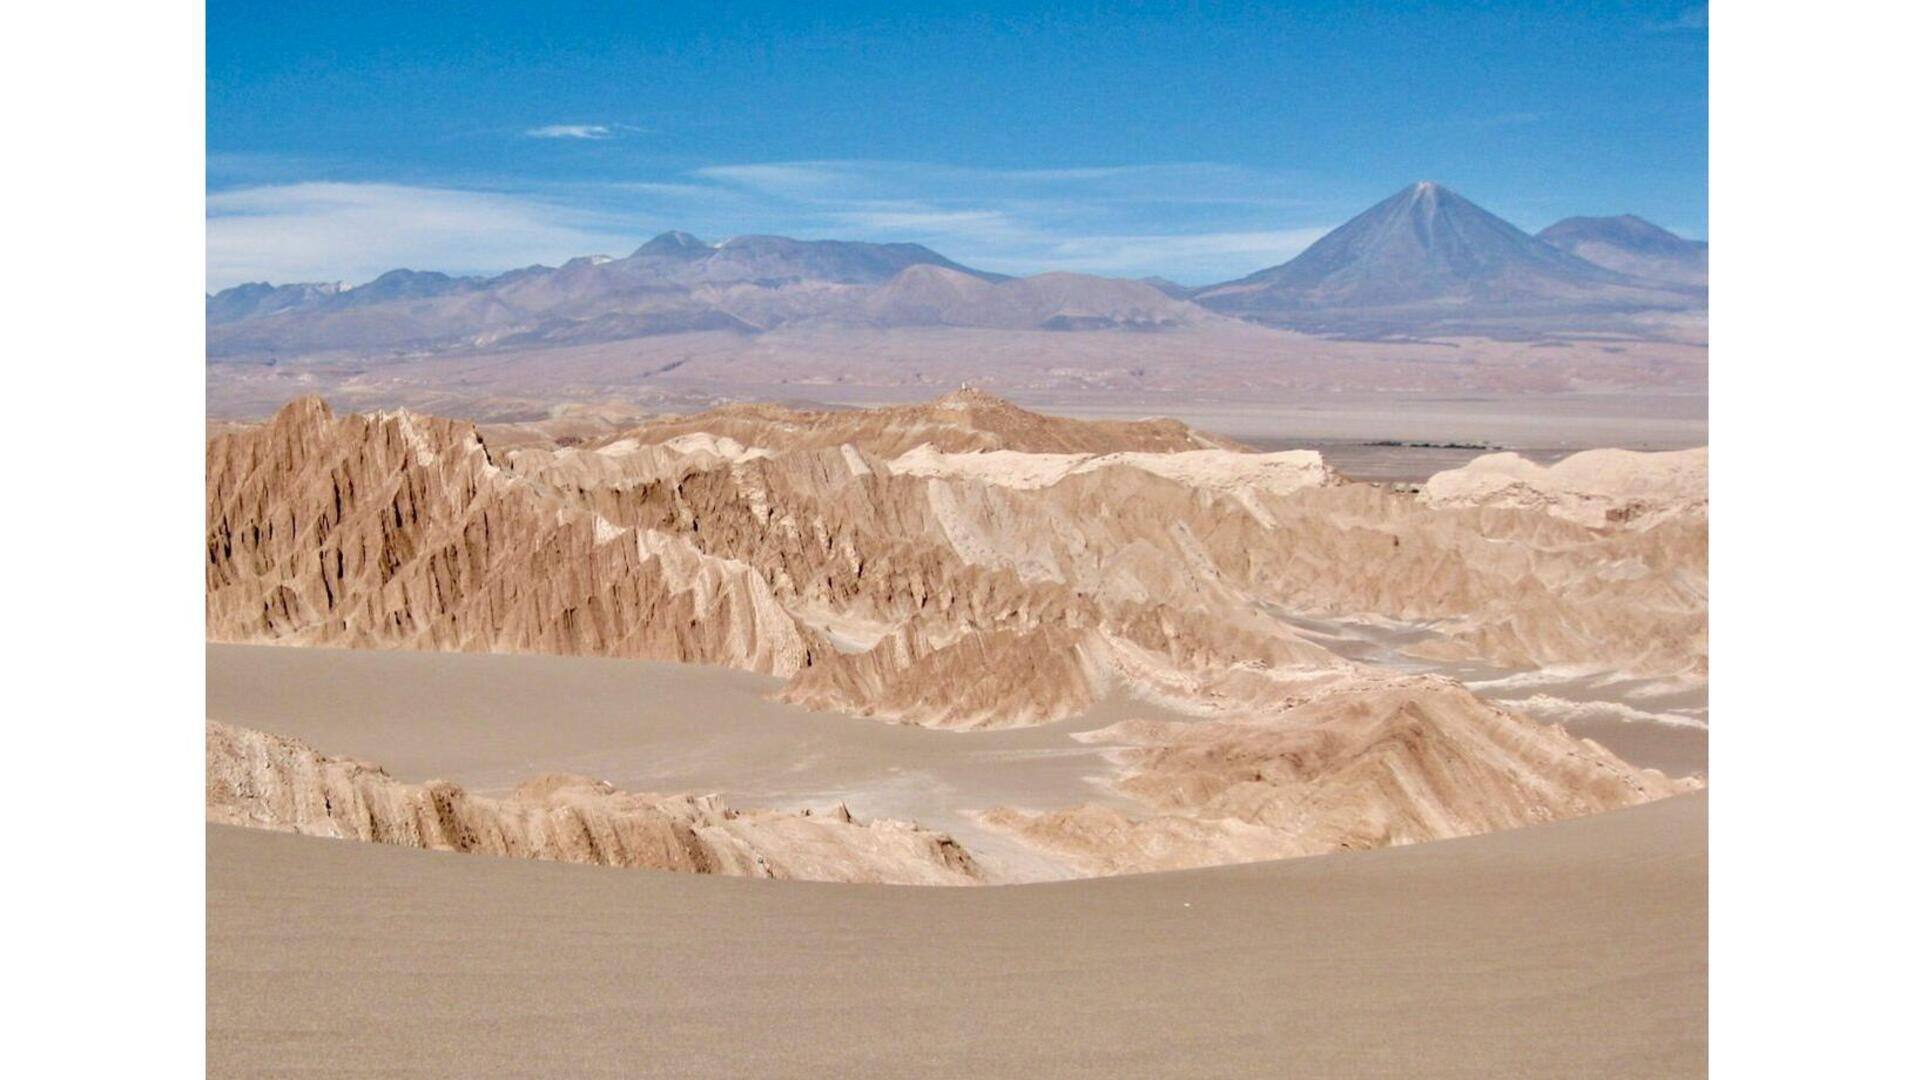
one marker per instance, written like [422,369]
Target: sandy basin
[490,722]
[1577,949]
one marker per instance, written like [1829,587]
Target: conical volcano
[1426,259]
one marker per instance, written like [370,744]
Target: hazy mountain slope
[767,259]
[675,283]
[1427,259]
[675,244]
[1632,246]
[1170,288]
[399,285]
[259,298]
[932,296]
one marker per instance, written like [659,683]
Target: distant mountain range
[1429,261]
[1425,261]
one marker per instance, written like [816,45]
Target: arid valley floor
[1328,738]
[1572,949]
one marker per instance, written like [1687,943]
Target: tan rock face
[968,564]
[401,531]
[264,781]
[960,422]
[1594,487]
[398,530]
[1366,762]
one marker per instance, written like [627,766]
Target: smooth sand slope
[492,722]
[1567,950]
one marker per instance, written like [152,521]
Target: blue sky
[1200,142]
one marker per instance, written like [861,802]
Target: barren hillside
[265,781]
[968,564]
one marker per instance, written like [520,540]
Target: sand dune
[1569,950]
[488,723]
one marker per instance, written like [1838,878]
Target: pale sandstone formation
[999,678]
[1596,488]
[1229,471]
[959,422]
[1155,570]
[399,530]
[402,531]
[1516,588]
[966,564]
[1365,762]
[264,781]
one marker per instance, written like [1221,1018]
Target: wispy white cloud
[1195,222]
[855,180]
[1010,241]
[355,232]
[793,179]
[953,222]
[1195,258]
[1098,219]
[571,131]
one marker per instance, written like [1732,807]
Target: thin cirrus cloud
[355,232]
[866,180]
[570,131]
[1194,223]
[1018,244]
[1192,258]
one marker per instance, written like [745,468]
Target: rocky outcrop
[264,781]
[1159,568]
[402,531]
[1363,763]
[1000,678]
[1208,470]
[966,564]
[959,422]
[1596,488]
